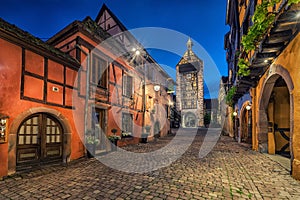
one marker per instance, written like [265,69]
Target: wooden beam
[271,48]
[279,37]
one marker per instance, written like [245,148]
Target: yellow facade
[287,67]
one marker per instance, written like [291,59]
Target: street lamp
[137,52]
[156,88]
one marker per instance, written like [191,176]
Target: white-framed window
[127,85]
[127,125]
[99,75]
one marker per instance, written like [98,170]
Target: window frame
[130,117]
[98,65]
[127,92]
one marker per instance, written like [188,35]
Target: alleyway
[230,171]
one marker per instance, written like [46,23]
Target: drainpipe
[144,94]
[254,120]
[87,90]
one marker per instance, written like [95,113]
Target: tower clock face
[188,76]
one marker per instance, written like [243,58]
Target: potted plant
[145,134]
[114,139]
[126,134]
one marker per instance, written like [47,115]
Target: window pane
[103,74]
[35,130]
[127,122]
[21,130]
[99,71]
[28,140]
[58,138]
[48,130]
[34,139]
[53,138]
[48,121]
[35,120]
[21,139]
[127,86]
[28,130]
[57,131]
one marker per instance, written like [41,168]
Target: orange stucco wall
[34,83]
[10,98]
[115,102]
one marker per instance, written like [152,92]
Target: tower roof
[189,56]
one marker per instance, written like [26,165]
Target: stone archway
[276,74]
[17,122]
[189,120]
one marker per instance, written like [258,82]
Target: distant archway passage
[246,124]
[39,141]
[190,120]
[275,116]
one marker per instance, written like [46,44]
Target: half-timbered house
[265,87]
[37,82]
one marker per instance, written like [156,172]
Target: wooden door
[100,130]
[39,141]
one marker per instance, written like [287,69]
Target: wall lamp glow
[156,88]
[248,107]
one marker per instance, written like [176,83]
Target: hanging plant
[243,67]
[262,20]
[230,94]
[293,1]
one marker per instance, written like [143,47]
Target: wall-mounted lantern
[234,114]
[248,107]
[3,128]
[156,88]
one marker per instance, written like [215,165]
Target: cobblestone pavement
[229,171]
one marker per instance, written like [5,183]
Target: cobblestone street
[229,171]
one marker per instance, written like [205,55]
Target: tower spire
[189,44]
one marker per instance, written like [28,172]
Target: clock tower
[189,90]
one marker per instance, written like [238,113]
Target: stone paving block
[229,171]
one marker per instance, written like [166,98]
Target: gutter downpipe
[87,90]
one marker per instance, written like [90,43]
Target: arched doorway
[278,114]
[246,123]
[275,115]
[189,120]
[39,141]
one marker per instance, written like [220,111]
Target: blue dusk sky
[203,21]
